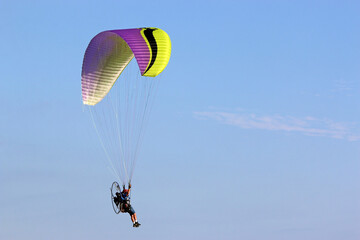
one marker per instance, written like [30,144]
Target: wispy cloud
[310,126]
[336,88]
[342,86]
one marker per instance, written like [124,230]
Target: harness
[124,197]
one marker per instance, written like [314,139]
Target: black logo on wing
[148,32]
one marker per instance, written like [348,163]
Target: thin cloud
[343,86]
[336,88]
[310,126]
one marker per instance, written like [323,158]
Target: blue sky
[255,132]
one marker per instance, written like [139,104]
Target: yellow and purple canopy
[110,52]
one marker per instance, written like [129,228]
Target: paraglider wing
[110,52]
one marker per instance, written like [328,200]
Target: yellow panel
[163,53]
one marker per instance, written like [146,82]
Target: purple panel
[92,61]
[137,44]
[100,47]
